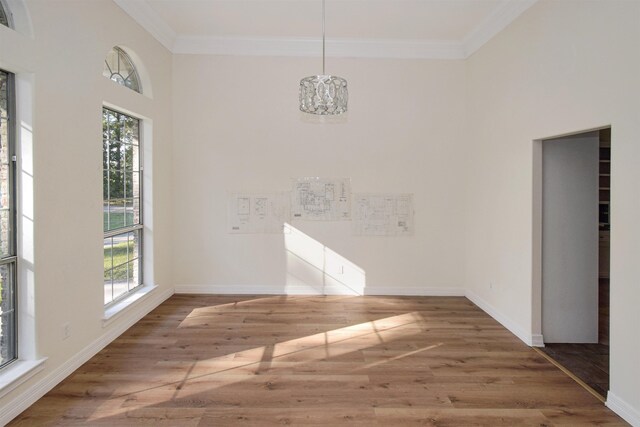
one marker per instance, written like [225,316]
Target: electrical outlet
[66,330]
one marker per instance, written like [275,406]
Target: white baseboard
[21,402]
[416,291]
[537,340]
[303,290]
[623,409]
[502,319]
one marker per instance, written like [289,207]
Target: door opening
[575,214]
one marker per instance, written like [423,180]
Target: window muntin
[8,323]
[119,68]
[122,201]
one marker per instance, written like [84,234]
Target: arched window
[4,15]
[119,68]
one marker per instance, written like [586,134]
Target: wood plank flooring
[201,360]
[589,362]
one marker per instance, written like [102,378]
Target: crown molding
[501,17]
[148,19]
[305,47]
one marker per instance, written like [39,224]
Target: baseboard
[21,402]
[526,337]
[416,291]
[623,409]
[537,340]
[302,290]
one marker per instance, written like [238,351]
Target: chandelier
[323,94]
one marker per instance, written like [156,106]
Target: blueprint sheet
[382,214]
[257,212]
[323,199]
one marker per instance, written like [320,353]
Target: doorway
[575,225]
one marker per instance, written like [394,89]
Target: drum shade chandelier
[323,94]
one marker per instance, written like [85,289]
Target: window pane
[105,216]
[8,348]
[110,121]
[4,81]
[108,243]
[130,130]
[137,217]
[120,282]
[132,159]
[116,184]
[119,249]
[108,287]
[116,154]
[6,290]
[5,233]
[3,17]
[129,215]
[134,245]
[116,214]
[132,272]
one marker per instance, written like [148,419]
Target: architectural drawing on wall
[323,199]
[382,214]
[257,212]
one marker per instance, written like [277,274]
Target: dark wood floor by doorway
[270,360]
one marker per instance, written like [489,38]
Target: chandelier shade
[323,94]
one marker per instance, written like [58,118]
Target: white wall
[238,128]
[570,239]
[561,67]
[62,91]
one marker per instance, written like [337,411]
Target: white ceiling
[447,29]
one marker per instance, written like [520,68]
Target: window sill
[18,373]
[115,311]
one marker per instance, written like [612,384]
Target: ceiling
[448,29]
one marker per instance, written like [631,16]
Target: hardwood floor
[589,362]
[202,360]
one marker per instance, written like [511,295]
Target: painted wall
[61,93]
[570,239]
[561,67]
[237,127]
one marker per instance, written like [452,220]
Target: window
[122,212]
[8,326]
[4,16]
[119,68]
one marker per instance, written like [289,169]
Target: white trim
[623,409]
[117,310]
[311,47]
[19,372]
[501,17]
[537,340]
[144,15]
[416,291]
[303,290]
[21,402]
[502,319]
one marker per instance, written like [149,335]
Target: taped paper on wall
[382,215]
[257,212]
[322,199]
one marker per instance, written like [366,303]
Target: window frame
[12,259]
[125,230]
